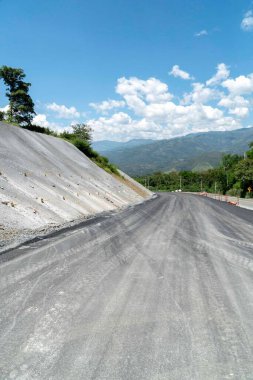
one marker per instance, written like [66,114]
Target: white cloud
[163,121]
[240,85]
[247,21]
[233,101]
[155,115]
[200,94]
[62,111]
[5,109]
[107,105]
[137,92]
[41,120]
[201,33]
[239,111]
[151,111]
[222,73]
[178,73]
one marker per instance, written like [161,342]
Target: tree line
[234,177]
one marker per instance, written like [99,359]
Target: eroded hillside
[46,182]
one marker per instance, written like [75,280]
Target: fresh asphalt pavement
[161,290]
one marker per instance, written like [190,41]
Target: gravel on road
[161,290]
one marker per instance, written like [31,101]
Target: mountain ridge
[180,153]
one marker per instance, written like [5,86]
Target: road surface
[162,290]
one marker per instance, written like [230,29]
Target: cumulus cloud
[240,85]
[178,73]
[153,112]
[150,110]
[165,120]
[247,21]
[41,120]
[233,101]
[63,112]
[201,33]
[137,92]
[5,109]
[107,105]
[239,111]
[222,73]
[200,94]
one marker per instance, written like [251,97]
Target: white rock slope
[45,181]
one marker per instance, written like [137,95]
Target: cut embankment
[45,182]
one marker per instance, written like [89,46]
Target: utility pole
[225,170]
[201,185]
[180,178]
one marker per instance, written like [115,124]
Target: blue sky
[131,69]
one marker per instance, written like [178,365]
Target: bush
[104,163]
[39,129]
[234,192]
[84,147]
[2,114]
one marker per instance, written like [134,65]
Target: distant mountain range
[198,151]
[107,145]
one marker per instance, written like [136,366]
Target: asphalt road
[162,290]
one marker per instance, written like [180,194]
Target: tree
[244,170]
[229,161]
[21,106]
[249,153]
[83,132]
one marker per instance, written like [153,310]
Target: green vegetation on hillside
[81,138]
[234,177]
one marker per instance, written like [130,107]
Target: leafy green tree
[83,132]
[249,153]
[244,170]
[21,106]
[229,161]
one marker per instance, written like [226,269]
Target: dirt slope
[46,182]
